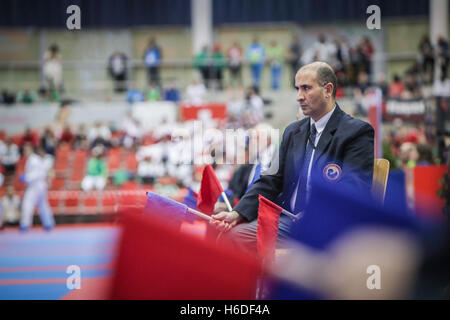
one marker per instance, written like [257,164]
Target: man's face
[310,94]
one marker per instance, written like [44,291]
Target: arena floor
[33,265]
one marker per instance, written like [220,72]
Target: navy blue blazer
[346,143]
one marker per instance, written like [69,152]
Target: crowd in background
[352,59]
[160,158]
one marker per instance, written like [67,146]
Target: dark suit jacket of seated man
[345,143]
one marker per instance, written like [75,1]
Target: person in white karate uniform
[37,169]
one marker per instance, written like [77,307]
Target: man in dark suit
[328,144]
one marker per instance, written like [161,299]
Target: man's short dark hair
[326,75]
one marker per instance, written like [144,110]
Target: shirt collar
[320,125]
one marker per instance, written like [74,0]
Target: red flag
[210,191]
[157,262]
[267,231]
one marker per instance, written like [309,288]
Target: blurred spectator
[67,135]
[239,182]
[343,60]
[8,97]
[408,155]
[254,108]
[26,97]
[196,93]
[53,72]
[443,56]
[396,88]
[367,55]
[218,59]
[163,129]
[322,50]
[275,57]
[425,155]
[153,92]
[81,141]
[149,170]
[356,61]
[48,141]
[359,91]
[235,62]
[152,60]
[255,56]
[426,56]
[388,152]
[383,85]
[171,93]
[134,95]
[412,89]
[133,131]
[202,63]
[9,208]
[117,69]
[62,117]
[99,134]
[294,55]
[28,137]
[9,155]
[97,171]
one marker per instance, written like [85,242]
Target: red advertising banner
[426,185]
[213,111]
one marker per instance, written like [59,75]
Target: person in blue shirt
[172,93]
[255,57]
[152,61]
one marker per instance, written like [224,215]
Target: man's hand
[219,207]
[225,220]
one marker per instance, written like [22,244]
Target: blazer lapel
[328,133]
[300,138]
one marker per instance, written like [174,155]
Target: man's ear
[329,89]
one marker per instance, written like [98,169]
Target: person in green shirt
[154,92]
[26,96]
[202,62]
[97,171]
[275,58]
[219,62]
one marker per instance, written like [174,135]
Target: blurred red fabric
[158,262]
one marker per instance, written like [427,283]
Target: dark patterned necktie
[300,201]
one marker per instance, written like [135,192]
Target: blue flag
[334,210]
[167,209]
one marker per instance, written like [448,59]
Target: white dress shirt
[320,126]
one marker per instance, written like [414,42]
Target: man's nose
[300,96]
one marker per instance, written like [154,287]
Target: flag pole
[293,216]
[227,202]
[198,213]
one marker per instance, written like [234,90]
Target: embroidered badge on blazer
[332,172]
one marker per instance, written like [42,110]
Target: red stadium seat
[113,159]
[61,164]
[57,184]
[71,202]
[54,200]
[63,151]
[77,175]
[109,202]
[131,162]
[79,158]
[90,204]
[72,198]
